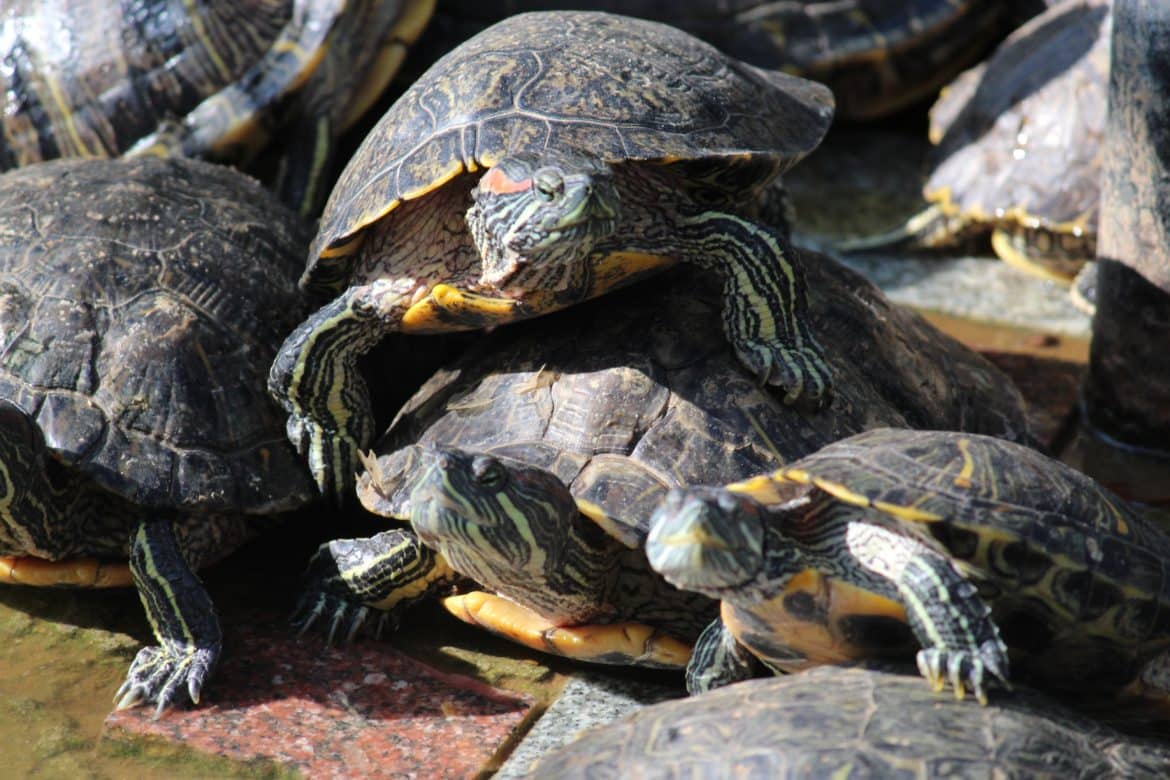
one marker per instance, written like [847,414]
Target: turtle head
[706,540]
[511,528]
[537,216]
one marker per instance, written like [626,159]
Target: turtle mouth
[442,501]
[692,550]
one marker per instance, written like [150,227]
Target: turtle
[544,161]
[962,544]
[86,78]
[877,57]
[857,723]
[141,302]
[1018,148]
[566,433]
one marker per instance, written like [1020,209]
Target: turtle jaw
[537,217]
[706,540]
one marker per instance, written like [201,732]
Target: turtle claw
[345,618]
[159,673]
[332,455]
[965,670]
[800,372]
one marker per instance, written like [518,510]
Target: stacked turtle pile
[750,460]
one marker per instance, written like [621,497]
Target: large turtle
[851,723]
[875,55]
[86,78]
[961,544]
[612,147]
[140,305]
[1018,147]
[572,429]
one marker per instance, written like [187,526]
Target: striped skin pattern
[1075,580]
[691,136]
[812,585]
[98,78]
[142,301]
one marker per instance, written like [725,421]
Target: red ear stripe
[497,182]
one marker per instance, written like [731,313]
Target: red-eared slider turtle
[1018,150]
[140,304]
[851,723]
[572,429]
[612,147]
[970,541]
[876,56]
[97,78]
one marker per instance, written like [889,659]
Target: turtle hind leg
[348,578]
[719,659]
[635,644]
[183,620]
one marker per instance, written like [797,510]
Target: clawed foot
[326,596]
[160,674]
[332,456]
[801,372]
[966,670]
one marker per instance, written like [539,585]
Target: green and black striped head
[706,540]
[535,214]
[514,529]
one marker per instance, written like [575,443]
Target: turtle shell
[875,55]
[626,398]
[1067,567]
[90,78]
[831,722]
[141,303]
[616,88]
[1019,137]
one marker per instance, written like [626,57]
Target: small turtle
[620,400]
[612,147]
[876,56]
[960,542]
[851,723]
[97,78]
[1018,147]
[140,305]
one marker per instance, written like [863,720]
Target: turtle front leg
[182,617]
[316,380]
[719,659]
[765,307]
[388,572]
[960,642]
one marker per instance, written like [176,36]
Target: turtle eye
[549,184]
[487,471]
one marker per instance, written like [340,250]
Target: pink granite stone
[363,710]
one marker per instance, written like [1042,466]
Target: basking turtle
[876,56]
[960,542]
[1018,150]
[852,723]
[547,160]
[620,400]
[97,78]
[140,304]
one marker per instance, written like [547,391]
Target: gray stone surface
[981,288]
[588,700]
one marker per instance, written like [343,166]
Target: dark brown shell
[141,304]
[618,88]
[831,722]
